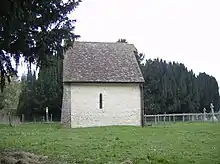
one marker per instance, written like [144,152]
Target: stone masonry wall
[121,105]
[66,106]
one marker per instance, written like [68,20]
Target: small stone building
[102,85]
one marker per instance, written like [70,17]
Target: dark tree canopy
[33,29]
[172,88]
[44,91]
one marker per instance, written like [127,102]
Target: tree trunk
[9,119]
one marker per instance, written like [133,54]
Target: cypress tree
[172,88]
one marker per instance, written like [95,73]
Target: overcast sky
[186,31]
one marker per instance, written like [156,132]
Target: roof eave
[112,82]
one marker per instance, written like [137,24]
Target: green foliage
[208,90]
[27,103]
[197,143]
[2,101]
[172,88]
[49,89]
[10,96]
[33,30]
[45,91]
[12,92]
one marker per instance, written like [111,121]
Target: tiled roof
[101,62]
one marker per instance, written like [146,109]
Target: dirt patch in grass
[21,157]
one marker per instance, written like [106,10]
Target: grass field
[177,143]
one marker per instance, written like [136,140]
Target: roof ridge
[103,42]
[101,61]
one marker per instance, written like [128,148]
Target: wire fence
[183,117]
[5,118]
[14,120]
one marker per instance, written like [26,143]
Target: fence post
[174,120]
[158,119]
[155,119]
[197,117]
[212,110]
[183,117]
[47,116]
[164,118]
[204,115]
[169,118]
[51,118]
[22,118]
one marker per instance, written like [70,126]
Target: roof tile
[101,62]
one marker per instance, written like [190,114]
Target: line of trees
[171,88]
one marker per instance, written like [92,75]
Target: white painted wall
[121,105]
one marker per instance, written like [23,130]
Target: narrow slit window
[100,101]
